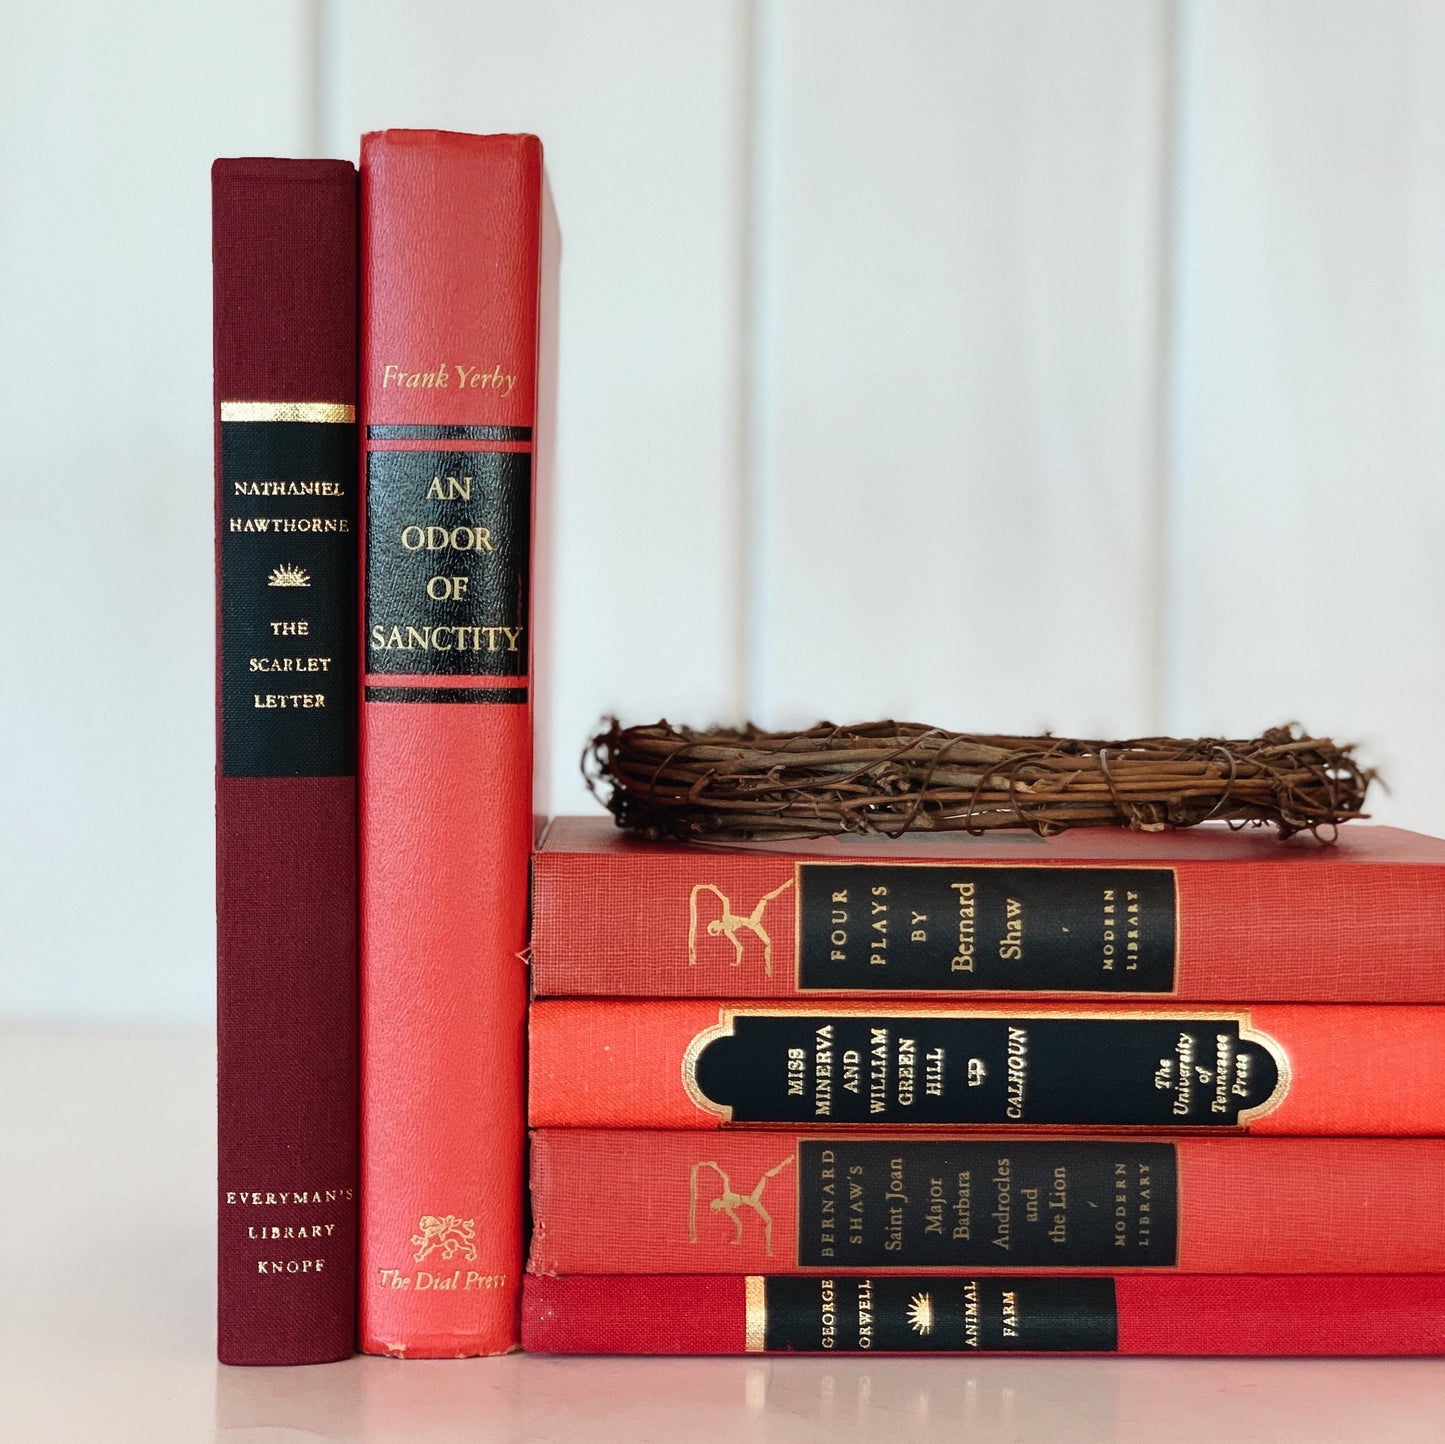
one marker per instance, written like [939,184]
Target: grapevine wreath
[886,778]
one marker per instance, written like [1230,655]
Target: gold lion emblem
[452,1235]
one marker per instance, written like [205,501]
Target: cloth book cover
[823,1201]
[1301,1314]
[1201,915]
[284,238]
[452,241]
[1286,1068]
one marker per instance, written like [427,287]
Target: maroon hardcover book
[285,254]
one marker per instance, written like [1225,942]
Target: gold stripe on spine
[332,411]
[756,1337]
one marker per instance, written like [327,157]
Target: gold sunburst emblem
[920,1313]
[289,576]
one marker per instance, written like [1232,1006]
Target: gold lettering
[290,664]
[963,956]
[397,377]
[473,378]
[315,525]
[456,488]
[287,488]
[333,1195]
[288,701]
[447,589]
[441,538]
[394,376]
[395,638]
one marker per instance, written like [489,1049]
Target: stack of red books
[1107,1092]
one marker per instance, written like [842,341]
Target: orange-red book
[452,233]
[767,1201]
[1199,915]
[1281,1068]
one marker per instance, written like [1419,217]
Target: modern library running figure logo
[729,1201]
[730,924]
[452,1235]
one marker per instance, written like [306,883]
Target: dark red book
[285,253]
[452,236]
[1201,915]
[773,1201]
[1253,1315]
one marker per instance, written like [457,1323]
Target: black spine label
[966,1203]
[918,927]
[942,1069]
[288,598]
[950,1314]
[447,546]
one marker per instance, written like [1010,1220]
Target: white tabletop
[107,1334]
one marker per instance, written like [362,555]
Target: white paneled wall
[1307,439]
[959,260]
[1005,365]
[110,116]
[642,106]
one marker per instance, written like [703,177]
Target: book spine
[451,239]
[284,238]
[645,922]
[1274,1068]
[767,1201]
[1377,1315]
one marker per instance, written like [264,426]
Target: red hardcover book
[1285,1068]
[773,1202]
[1196,915]
[284,252]
[452,232]
[1301,1314]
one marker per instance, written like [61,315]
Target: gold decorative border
[755,1337]
[1282,1073]
[332,411]
[1102,993]
[1181,1012]
[723,1028]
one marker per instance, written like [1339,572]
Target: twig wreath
[888,778]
